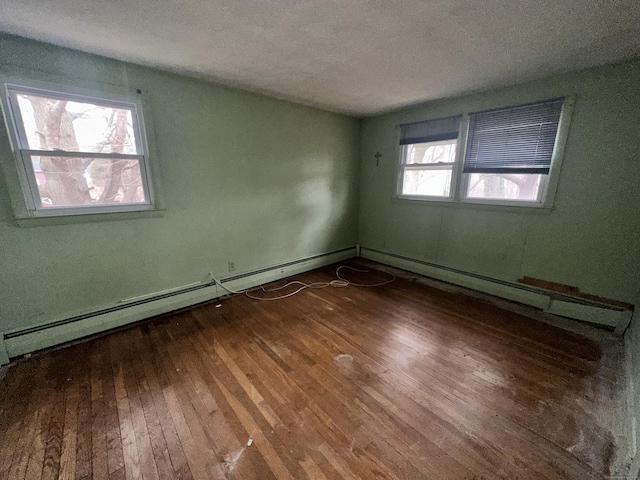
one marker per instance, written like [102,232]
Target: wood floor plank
[442,399]
[70,433]
[157,422]
[13,420]
[221,425]
[143,438]
[127,432]
[172,442]
[114,453]
[85,419]
[99,456]
[228,434]
[30,442]
[55,427]
[288,432]
[201,455]
[398,381]
[274,461]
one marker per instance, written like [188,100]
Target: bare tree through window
[53,124]
[430,166]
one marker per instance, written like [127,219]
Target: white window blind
[430,131]
[513,140]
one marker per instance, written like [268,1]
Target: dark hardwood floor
[398,381]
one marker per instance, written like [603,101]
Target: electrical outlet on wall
[232,266]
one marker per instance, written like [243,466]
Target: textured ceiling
[352,56]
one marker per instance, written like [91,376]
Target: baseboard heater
[25,340]
[546,300]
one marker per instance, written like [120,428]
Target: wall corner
[4,355]
[632,360]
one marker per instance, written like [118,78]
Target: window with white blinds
[428,155]
[513,140]
[506,155]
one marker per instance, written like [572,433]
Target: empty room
[319,240]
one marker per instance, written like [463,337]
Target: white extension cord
[339,282]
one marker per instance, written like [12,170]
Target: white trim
[399,156]
[599,314]
[505,202]
[587,313]
[91,209]
[163,292]
[425,198]
[32,207]
[460,181]
[558,152]
[429,166]
[65,92]
[64,153]
[404,166]
[623,325]
[461,148]
[56,335]
[19,344]
[548,182]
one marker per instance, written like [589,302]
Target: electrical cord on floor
[339,282]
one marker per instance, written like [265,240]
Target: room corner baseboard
[545,300]
[632,369]
[19,342]
[624,323]
[4,355]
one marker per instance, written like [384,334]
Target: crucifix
[377,155]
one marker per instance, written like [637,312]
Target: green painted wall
[245,178]
[259,182]
[589,240]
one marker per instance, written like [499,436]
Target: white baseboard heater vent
[4,355]
[17,342]
[546,300]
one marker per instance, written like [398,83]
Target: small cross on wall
[377,155]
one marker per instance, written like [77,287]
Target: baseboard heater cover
[18,342]
[550,302]
[4,355]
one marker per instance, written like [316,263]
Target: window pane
[519,139]
[432,152]
[431,182]
[55,124]
[67,181]
[507,186]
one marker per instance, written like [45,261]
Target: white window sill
[508,207]
[87,218]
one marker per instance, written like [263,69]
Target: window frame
[32,207]
[401,153]
[460,180]
[404,166]
[538,202]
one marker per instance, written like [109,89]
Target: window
[77,152]
[508,157]
[428,156]
[509,151]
